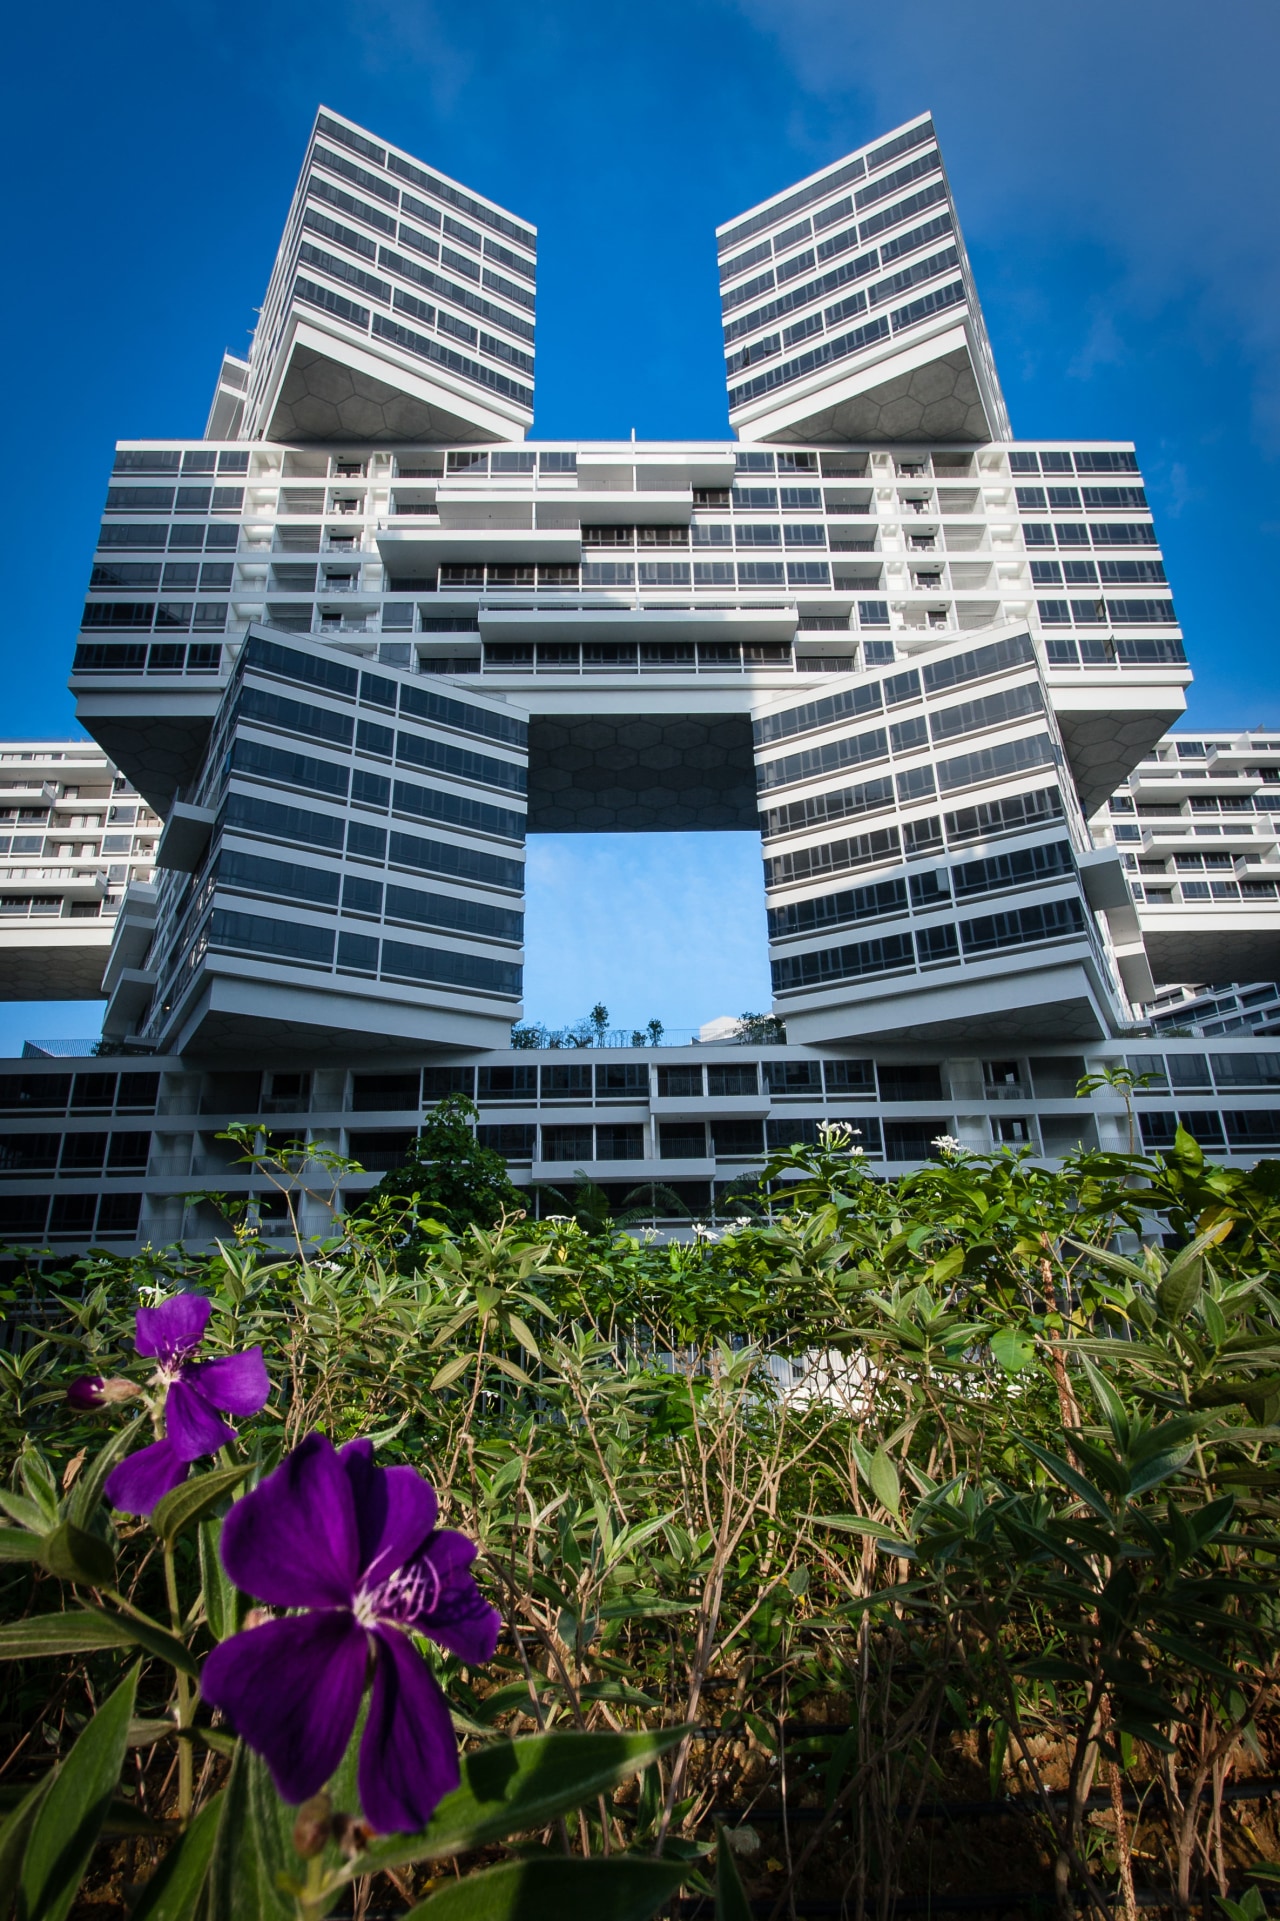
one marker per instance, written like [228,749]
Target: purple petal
[191,1424]
[174,1328]
[294,1542]
[292,1690]
[85,1393]
[395,1511]
[144,1478]
[459,1618]
[408,1753]
[236,1382]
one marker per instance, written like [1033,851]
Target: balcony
[347,624]
[625,623]
[1163,835]
[185,837]
[921,620]
[1162,783]
[130,998]
[650,508]
[418,552]
[631,468]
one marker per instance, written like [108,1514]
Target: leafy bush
[447,1178]
[955,1488]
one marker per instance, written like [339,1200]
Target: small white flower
[947,1144]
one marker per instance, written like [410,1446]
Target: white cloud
[1147,130]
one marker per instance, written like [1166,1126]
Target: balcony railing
[135,657]
[349,625]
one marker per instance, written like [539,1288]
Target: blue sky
[1115,170]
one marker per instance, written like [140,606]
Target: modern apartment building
[75,834]
[365,637]
[121,1152]
[1251,1007]
[1197,825]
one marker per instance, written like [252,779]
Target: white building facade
[365,637]
[75,835]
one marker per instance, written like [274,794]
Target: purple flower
[196,1391]
[357,1547]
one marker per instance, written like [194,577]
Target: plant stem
[186,1696]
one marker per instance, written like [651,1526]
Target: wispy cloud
[1148,130]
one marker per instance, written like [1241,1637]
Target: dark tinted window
[741,1078]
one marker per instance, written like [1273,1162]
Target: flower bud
[118,1389]
[92,1391]
[257,1618]
[311,1827]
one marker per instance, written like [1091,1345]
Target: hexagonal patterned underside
[1218,951]
[62,963]
[320,399]
[1102,747]
[939,401]
[610,773]
[162,751]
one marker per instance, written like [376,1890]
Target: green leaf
[222,1603]
[449,1373]
[252,1849]
[24,1511]
[73,1555]
[155,1639]
[883,1477]
[731,1897]
[1179,1290]
[1187,1148]
[13,1839]
[1011,1349]
[86,1491]
[84,1631]
[66,1827]
[193,1500]
[174,1890]
[544,1887]
[37,1478]
[78,1631]
[1112,1406]
[520,1328]
[145,1732]
[1157,1469]
[1064,1472]
[856,1524]
[517,1787]
[18,1544]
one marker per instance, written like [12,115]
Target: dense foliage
[446,1178]
[956,1489]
